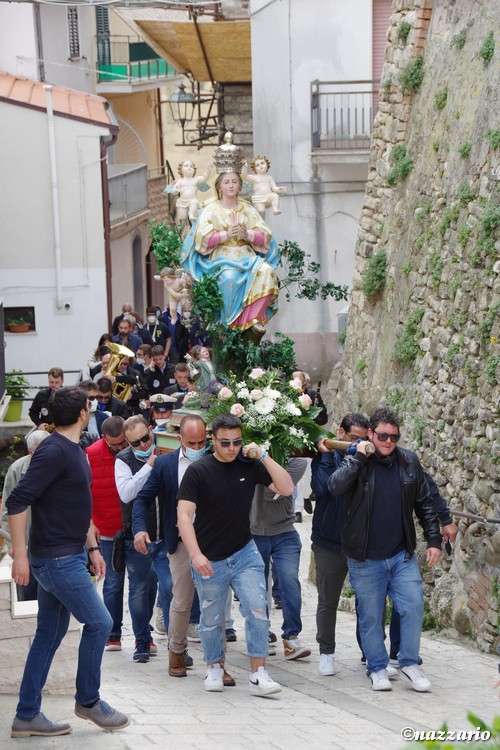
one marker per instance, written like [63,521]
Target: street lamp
[182,105]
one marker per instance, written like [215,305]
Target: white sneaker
[391,672]
[327,664]
[214,680]
[261,683]
[380,680]
[394,663]
[193,634]
[418,682]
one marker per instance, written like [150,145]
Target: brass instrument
[122,391]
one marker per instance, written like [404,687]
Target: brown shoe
[176,664]
[227,680]
[294,649]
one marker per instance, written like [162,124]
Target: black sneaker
[141,653]
[273,638]
[231,636]
[308,505]
[277,602]
[298,518]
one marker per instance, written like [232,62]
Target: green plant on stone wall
[486,323]
[435,146]
[361,365]
[374,274]
[455,283]
[494,138]
[463,234]
[465,149]
[464,194]
[402,165]
[441,98]
[407,268]
[452,352]
[487,49]
[491,369]
[458,40]
[419,425]
[342,337]
[404,29]
[407,346]
[435,265]
[450,217]
[412,76]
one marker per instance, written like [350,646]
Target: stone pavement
[336,713]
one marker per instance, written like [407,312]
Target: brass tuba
[122,391]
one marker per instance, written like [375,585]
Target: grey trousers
[331,571]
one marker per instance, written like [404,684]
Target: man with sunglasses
[381,493]
[107,517]
[219,489]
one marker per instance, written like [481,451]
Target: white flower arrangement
[272,413]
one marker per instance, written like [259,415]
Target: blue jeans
[141,590]
[244,573]
[374,580]
[65,588]
[284,549]
[157,553]
[113,590]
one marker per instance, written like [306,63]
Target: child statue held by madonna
[230,239]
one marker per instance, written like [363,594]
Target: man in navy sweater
[57,488]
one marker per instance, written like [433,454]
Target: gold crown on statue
[228,157]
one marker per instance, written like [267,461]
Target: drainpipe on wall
[107,142]
[55,195]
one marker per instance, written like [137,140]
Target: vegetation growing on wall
[374,275]
[404,29]
[487,49]
[412,76]
[407,346]
[402,165]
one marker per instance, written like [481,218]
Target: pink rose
[237,410]
[257,372]
[224,394]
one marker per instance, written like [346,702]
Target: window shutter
[73,34]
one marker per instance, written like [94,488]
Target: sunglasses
[228,443]
[143,439]
[383,436]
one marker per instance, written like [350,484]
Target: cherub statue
[177,283]
[186,187]
[266,192]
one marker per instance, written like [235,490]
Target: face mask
[158,314]
[151,319]
[144,454]
[93,406]
[192,454]
[140,361]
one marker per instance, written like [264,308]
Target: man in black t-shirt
[219,489]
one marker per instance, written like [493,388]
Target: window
[73,34]
[19,319]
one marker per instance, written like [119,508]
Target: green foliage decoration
[302,272]
[407,345]
[374,274]
[273,355]
[402,165]
[487,737]
[412,76]
[487,49]
[207,300]
[167,243]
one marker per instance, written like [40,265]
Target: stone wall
[427,342]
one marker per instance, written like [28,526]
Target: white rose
[255,394]
[305,401]
[257,372]
[224,394]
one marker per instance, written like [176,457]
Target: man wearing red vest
[107,516]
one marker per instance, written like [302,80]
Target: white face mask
[140,361]
[151,319]
[93,406]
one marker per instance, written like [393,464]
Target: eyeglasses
[353,438]
[143,439]
[104,398]
[118,443]
[383,436]
[227,443]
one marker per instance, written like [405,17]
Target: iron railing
[128,190]
[128,59]
[342,114]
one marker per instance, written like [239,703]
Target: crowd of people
[212,520]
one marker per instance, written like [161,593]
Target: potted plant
[15,387]
[18,325]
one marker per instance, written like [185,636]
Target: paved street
[332,712]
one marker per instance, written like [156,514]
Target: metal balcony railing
[128,190]
[128,59]
[342,114]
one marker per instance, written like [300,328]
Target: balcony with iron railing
[128,60]
[342,115]
[128,191]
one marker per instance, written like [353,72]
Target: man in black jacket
[39,410]
[378,538]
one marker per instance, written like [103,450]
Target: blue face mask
[192,454]
[144,454]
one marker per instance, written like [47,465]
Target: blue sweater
[328,510]
[57,487]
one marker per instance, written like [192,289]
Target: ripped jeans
[244,573]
